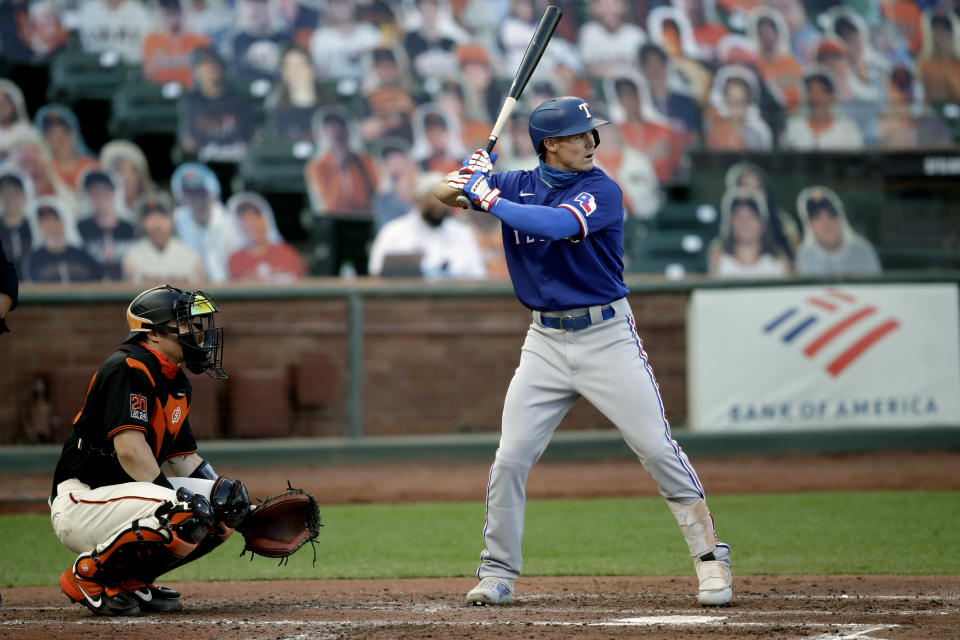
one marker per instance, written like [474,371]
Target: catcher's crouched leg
[231,504]
[116,577]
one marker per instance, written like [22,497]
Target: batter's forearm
[445,193]
[547,223]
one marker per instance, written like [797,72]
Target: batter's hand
[481,161]
[480,193]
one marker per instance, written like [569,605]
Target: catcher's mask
[166,309]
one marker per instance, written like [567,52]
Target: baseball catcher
[130,493]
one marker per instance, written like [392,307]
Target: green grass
[813,533]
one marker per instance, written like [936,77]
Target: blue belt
[574,323]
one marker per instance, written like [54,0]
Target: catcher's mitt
[280,525]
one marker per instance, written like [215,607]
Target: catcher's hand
[280,525]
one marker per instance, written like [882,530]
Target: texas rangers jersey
[580,271]
[131,390]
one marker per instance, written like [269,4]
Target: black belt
[574,322]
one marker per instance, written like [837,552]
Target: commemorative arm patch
[138,407]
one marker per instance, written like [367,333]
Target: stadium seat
[337,240]
[672,252]
[275,167]
[79,75]
[141,108]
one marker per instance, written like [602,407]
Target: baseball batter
[111,503]
[563,239]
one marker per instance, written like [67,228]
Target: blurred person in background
[16,198]
[830,247]
[69,152]
[516,152]
[733,121]
[513,36]
[641,127]
[113,26]
[862,103]
[783,227]
[258,42]
[301,18]
[126,160]
[263,256]
[340,179]
[669,28]
[609,44]
[46,34]
[106,233]
[431,48]
[803,35]
[159,256]
[212,18]
[340,46]
[437,142]
[452,99]
[706,25]
[939,63]
[449,246]
[389,99]
[820,128]
[201,220]
[906,16]
[680,109]
[167,51]
[908,123]
[295,98]
[395,195]
[216,121]
[868,66]
[31,154]
[483,98]
[775,62]
[8,289]
[58,256]
[744,248]
[14,121]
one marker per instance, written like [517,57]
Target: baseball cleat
[152,598]
[491,591]
[713,572]
[103,601]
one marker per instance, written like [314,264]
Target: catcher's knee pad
[231,503]
[143,550]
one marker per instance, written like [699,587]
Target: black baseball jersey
[131,390]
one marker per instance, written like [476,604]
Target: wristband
[162,481]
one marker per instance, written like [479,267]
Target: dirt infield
[819,607]
[834,607]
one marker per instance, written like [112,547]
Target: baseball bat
[531,58]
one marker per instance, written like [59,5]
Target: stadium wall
[328,357]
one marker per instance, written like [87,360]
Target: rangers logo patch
[138,407]
[587,202]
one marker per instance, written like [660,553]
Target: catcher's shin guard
[143,550]
[711,558]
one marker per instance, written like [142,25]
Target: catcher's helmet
[564,116]
[166,309]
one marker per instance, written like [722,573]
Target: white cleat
[713,572]
[491,591]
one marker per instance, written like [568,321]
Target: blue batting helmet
[564,116]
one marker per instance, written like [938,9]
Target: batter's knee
[519,453]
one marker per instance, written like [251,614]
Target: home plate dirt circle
[817,607]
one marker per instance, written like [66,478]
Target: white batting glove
[481,161]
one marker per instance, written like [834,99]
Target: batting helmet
[564,116]
[156,308]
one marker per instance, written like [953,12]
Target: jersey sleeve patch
[586,202]
[138,407]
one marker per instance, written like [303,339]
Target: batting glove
[481,194]
[481,161]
